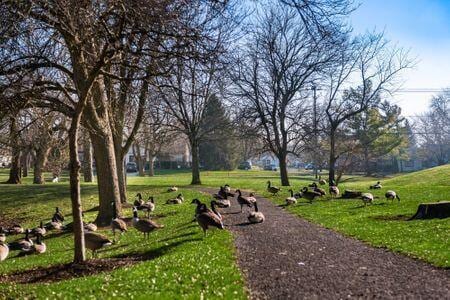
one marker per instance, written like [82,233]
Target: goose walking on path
[244,200]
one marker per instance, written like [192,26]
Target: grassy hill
[438,176]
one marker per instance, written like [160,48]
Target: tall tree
[273,76]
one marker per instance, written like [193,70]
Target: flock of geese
[313,191]
[206,217]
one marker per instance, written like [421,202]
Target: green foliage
[219,149]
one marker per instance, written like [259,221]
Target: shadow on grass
[60,272]
[391,218]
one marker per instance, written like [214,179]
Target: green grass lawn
[186,265]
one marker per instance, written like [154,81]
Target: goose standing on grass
[376,186]
[309,195]
[256,216]
[138,200]
[58,216]
[117,224]
[291,200]
[244,200]
[144,226]
[40,230]
[95,241]
[334,191]
[4,251]
[207,218]
[178,200]
[272,189]
[391,195]
[148,207]
[172,189]
[367,198]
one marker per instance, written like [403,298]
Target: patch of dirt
[8,222]
[66,271]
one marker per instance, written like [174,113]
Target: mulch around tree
[287,257]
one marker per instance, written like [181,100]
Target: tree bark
[88,173]
[24,163]
[332,163]
[14,172]
[432,210]
[151,169]
[283,169]
[195,163]
[39,163]
[78,230]
[120,162]
[140,160]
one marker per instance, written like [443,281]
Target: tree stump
[351,194]
[432,210]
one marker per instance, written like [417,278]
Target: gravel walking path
[287,257]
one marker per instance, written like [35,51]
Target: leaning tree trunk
[39,163]
[108,182]
[195,163]
[14,172]
[88,173]
[283,169]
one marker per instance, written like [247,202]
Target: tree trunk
[24,163]
[108,183]
[139,159]
[88,173]
[74,165]
[14,172]
[120,164]
[367,162]
[151,169]
[332,164]
[39,163]
[195,163]
[433,210]
[283,169]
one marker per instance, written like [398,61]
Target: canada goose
[223,203]
[227,188]
[243,200]
[291,200]
[322,181]
[221,194]
[148,207]
[138,201]
[272,189]
[39,230]
[55,179]
[310,195]
[367,198]
[16,229]
[172,189]
[117,223]
[319,190]
[334,191]
[207,218]
[376,186]
[38,247]
[90,227]
[144,226]
[95,241]
[178,200]
[58,216]
[54,224]
[213,208]
[256,216]
[4,251]
[23,244]
[391,195]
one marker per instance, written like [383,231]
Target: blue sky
[423,26]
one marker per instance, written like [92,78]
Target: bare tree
[273,77]
[369,63]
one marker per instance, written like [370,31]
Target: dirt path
[289,258]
